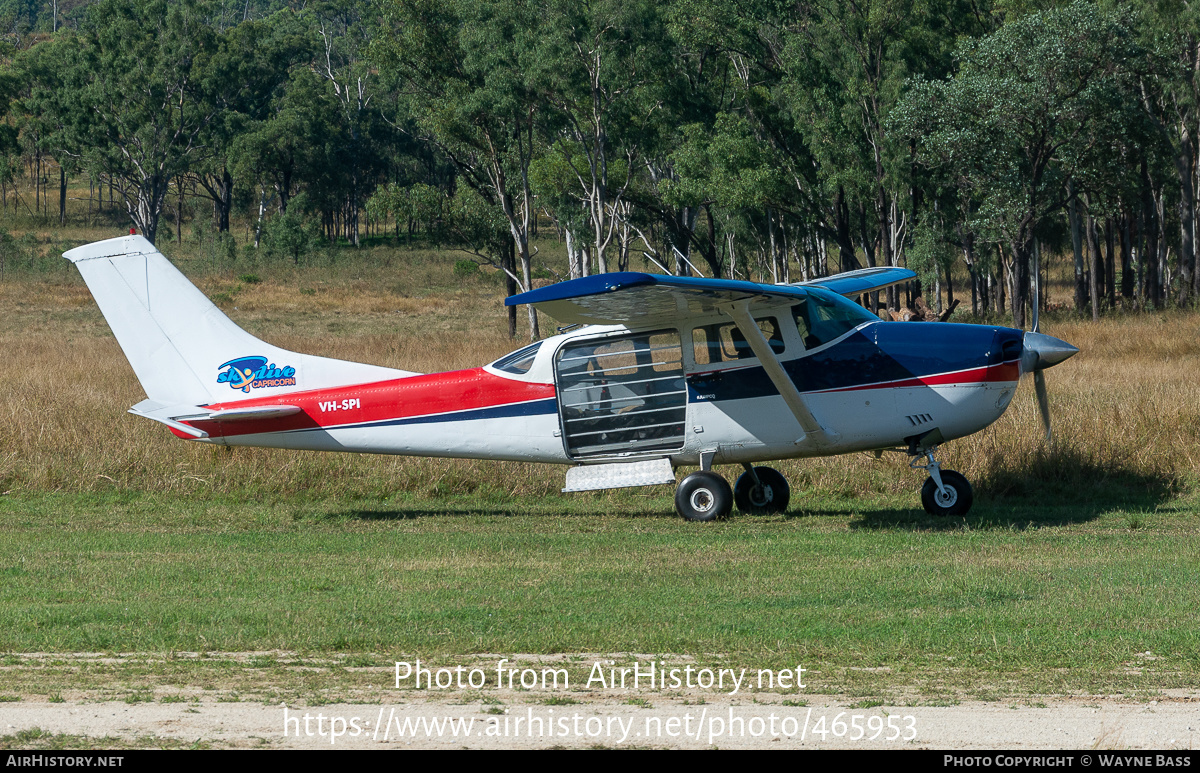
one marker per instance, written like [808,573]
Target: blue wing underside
[637,299]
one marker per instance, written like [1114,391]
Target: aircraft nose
[1039,351]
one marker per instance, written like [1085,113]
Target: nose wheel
[954,498]
[945,491]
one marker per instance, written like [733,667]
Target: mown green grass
[1065,600]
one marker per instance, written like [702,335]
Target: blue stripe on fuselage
[506,411]
[877,353]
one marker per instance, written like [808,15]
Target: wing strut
[813,431]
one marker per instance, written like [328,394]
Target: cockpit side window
[520,361]
[725,343]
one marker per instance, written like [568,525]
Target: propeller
[1040,351]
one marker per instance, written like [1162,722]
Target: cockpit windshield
[824,316]
[518,362]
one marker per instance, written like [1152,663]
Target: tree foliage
[753,139]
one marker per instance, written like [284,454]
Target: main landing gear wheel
[955,500]
[703,496]
[769,494]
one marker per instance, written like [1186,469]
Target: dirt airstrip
[236,701]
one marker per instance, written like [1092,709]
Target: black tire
[959,498]
[771,497]
[704,496]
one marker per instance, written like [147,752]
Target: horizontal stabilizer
[170,415]
[174,415]
[260,412]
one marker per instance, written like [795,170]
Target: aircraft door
[622,395]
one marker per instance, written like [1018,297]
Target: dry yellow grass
[1128,403]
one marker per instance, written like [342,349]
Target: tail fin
[182,348]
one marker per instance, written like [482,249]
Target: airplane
[651,373]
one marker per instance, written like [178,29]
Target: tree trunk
[846,257]
[709,249]
[1093,267]
[1185,164]
[1126,260]
[1002,277]
[1110,263]
[1148,255]
[573,268]
[179,213]
[510,285]
[225,201]
[1077,246]
[262,206]
[62,195]
[949,289]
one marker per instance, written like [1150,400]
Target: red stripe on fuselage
[1005,371]
[400,398]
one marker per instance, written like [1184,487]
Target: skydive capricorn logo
[246,373]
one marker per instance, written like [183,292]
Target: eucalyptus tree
[1016,121]
[343,31]
[1126,154]
[842,65]
[726,169]
[134,100]
[845,67]
[599,65]
[742,44]
[695,90]
[815,82]
[465,85]
[42,125]
[248,77]
[290,144]
[555,187]
[20,17]
[1170,95]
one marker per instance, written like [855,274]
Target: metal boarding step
[594,477]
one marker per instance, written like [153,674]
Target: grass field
[1075,572]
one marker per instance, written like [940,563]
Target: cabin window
[725,343]
[622,395]
[520,361]
[824,316]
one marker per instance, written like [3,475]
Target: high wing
[864,280]
[637,300]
